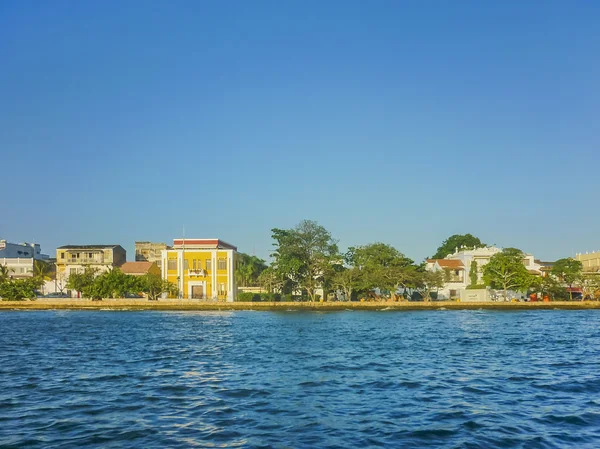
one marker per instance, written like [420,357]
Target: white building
[458,268]
[19,257]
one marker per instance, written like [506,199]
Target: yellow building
[201,268]
[590,261]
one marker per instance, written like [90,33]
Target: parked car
[55,295]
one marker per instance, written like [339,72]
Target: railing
[85,261]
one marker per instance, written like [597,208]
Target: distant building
[457,268]
[19,257]
[71,259]
[21,250]
[150,252]
[140,268]
[201,268]
[590,261]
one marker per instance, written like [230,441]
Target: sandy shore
[174,304]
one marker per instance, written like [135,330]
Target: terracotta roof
[448,263]
[206,243]
[136,267]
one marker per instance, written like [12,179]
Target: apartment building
[150,252]
[19,257]
[72,259]
[590,261]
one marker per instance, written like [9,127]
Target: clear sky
[394,121]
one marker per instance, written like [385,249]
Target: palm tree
[5,273]
[41,271]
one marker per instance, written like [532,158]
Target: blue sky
[396,121]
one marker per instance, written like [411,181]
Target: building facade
[201,268]
[150,252]
[71,259]
[590,261]
[458,267]
[19,257]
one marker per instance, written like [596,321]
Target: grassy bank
[135,304]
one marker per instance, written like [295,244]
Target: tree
[305,255]
[5,273]
[347,280]
[154,286]
[18,289]
[429,281]
[382,266]
[270,280]
[569,271]
[82,282]
[473,274]
[42,271]
[590,285]
[506,271]
[249,269]
[457,241]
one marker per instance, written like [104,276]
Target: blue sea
[440,378]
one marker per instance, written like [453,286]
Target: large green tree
[153,285]
[569,271]
[457,241]
[382,266]
[305,255]
[428,282]
[348,280]
[506,271]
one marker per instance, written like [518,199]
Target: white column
[213,266]
[230,271]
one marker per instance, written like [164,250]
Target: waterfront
[436,378]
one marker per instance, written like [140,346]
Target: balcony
[86,261]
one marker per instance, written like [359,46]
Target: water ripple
[457,379]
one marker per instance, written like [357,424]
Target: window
[73,271]
[172,264]
[62,255]
[222,264]
[159,263]
[194,264]
[90,255]
[208,264]
[186,264]
[222,290]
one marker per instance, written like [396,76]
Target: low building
[590,261]
[150,252]
[71,259]
[201,268]
[140,268]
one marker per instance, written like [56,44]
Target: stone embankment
[178,304]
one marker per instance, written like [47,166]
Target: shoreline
[166,305]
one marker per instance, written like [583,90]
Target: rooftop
[202,243]
[136,267]
[448,263]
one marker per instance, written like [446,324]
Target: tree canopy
[304,256]
[249,270]
[449,246]
[506,271]
[569,271]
